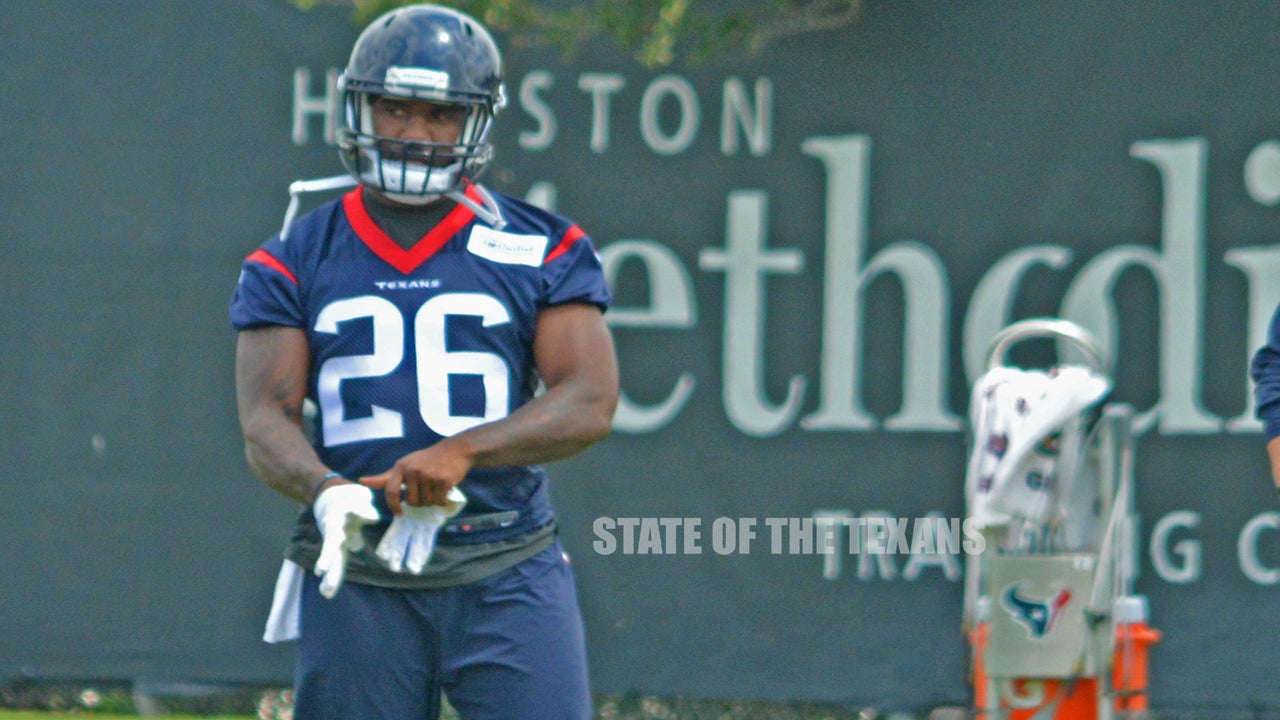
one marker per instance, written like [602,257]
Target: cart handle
[1046,327]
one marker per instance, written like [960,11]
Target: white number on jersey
[434,367]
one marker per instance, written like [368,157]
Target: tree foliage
[656,32]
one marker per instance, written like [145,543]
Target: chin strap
[298,187]
[487,209]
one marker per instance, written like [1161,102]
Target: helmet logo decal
[407,78]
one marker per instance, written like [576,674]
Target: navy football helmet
[425,52]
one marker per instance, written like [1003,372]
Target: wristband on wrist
[315,493]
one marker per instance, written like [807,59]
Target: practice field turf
[612,708]
[718,712]
[34,701]
[50,715]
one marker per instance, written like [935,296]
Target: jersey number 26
[434,365]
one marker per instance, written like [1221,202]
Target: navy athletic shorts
[507,646]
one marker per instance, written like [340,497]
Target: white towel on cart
[1028,445]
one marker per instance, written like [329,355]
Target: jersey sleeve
[572,272]
[1265,370]
[268,290]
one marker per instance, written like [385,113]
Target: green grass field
[646,709]
[651,710]
[49,714]
[116,704]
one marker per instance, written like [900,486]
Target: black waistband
[476,523]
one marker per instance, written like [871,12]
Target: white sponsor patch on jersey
[507,248]
[406,78]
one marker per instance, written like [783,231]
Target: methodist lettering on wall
[741,116]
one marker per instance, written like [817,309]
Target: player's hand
[411,538]
[422,478]
[341,511]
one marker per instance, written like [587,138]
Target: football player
[452,340]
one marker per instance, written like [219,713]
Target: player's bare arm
[1273,453]
[575,357]
[271,383]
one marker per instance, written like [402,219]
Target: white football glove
[340,512]
[411,537]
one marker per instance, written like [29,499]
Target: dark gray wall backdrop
[811,248]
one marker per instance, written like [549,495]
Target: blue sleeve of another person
[1265,370]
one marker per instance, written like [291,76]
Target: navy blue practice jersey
[1265,370]
[410,346]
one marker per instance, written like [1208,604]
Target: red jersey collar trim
[406,261]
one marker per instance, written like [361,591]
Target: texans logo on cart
[1037,616]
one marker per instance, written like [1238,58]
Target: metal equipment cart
[1054,628]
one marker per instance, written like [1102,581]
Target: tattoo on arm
[271,381]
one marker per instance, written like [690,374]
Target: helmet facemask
[414,172]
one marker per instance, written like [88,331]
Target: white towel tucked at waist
[282,622]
